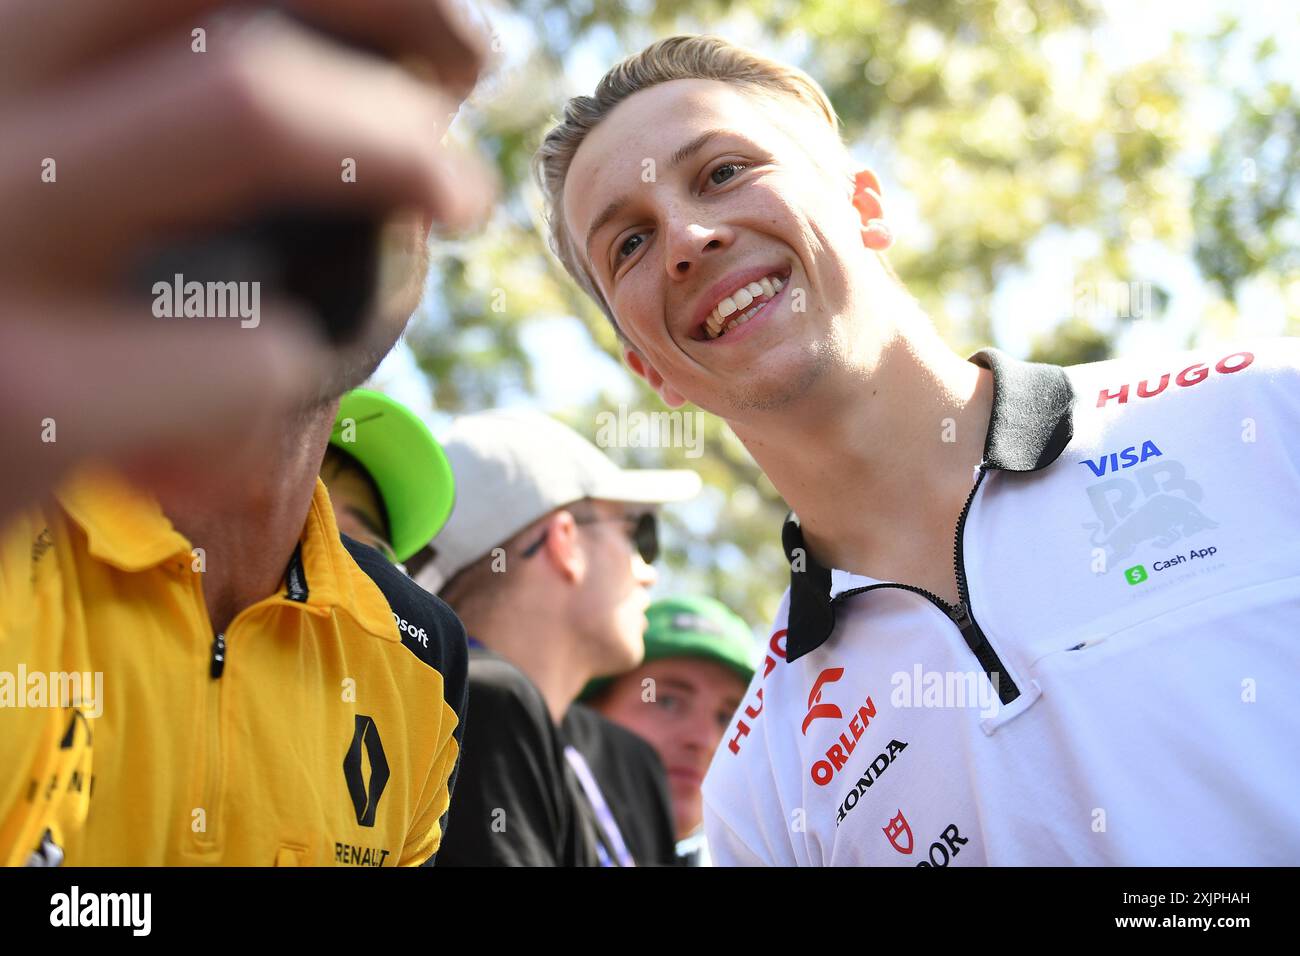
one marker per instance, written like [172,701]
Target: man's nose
[689,243]
[644,574]
[700,734]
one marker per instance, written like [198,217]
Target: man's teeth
[746,301]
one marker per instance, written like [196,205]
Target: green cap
[405,461]
[693,627]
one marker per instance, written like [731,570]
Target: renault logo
[365,796]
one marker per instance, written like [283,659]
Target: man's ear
[866,195]
[562,546]
[636,363]
[876,233]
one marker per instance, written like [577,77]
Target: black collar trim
[295,578]
[1032,419]
[1031,423]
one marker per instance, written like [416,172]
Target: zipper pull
[960,615]
[218,656]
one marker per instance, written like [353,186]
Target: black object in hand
[325,262]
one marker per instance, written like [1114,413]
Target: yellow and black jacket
[322,728]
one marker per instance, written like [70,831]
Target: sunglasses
[644,534]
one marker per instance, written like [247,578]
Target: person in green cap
[388,478]
[698,662]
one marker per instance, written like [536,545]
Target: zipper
[960,613]
[212,765]
[218,664]
[209,797]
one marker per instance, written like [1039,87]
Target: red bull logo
[1156,503]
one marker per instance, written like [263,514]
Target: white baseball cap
[515,466]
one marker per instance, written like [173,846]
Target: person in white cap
[547,560]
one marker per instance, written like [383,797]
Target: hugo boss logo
[1192,375]
[776,649]
[365,789]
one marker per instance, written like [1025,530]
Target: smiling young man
[1034,615]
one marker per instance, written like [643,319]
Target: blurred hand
[148,139]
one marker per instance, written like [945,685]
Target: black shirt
[632,780]
[517,802]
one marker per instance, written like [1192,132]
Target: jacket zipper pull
[218,656]
[960,615]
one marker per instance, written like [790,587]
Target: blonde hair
[674,58]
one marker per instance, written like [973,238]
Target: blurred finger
[439,33]
[102,383]
[59,38]
[277,118]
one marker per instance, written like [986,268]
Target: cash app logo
[1136,574]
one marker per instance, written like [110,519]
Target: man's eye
[670,702]
[734,167]
[627,248]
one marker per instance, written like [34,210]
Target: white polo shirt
[1129,563]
